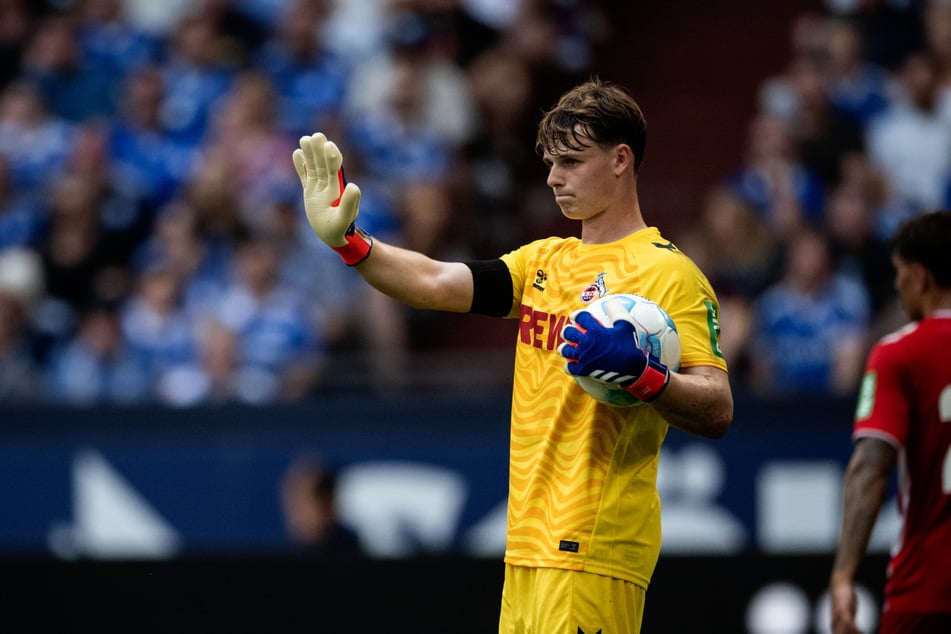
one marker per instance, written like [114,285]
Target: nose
[554,177]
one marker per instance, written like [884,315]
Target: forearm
[416,279]
[698,401]
[863,496]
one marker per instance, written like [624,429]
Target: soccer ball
[655,333]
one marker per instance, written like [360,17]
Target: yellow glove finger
[333,161]
[350,202]
[300,164]
[313,150]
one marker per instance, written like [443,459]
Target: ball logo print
[654,333]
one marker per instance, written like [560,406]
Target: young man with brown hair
[583,512]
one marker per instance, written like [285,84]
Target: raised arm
[332,206]
[418,280]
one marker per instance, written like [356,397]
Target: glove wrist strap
[652,381]
[357,249]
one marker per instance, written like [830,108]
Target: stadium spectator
[241,32]
[311,80]
[773,180]
[811,327]
[428,90]
[742,258]
[308,498]
[71,86]
[22,217]
[243,128]
[35,143]
[857,87]
[860,252]
[212,195]
[155,325]
[15,28]
[208,378]
[148,163]
[96,367]
[497,159]
[356,29]
[823,135]
[176,244]
[158,20]
[808,42]
[268,13]
[410,160]
[280,348]
[110,43]
[78,263]
[366,330]
[890,29]
[936,19]
[910,142]
[21,286]
[196,75]
[744,253]
[124,218]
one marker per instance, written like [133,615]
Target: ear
[924,279]
[623,159]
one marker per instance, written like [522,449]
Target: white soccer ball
[655,333]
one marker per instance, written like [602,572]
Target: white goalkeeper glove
[331,203]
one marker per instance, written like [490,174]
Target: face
[583,181]
[908,286]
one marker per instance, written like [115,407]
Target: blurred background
[202,410]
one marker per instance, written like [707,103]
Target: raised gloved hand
[611,354]
[331,203]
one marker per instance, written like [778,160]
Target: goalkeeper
[584,531]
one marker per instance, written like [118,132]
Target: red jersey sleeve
[883,409]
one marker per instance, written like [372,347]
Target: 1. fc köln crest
[594,291]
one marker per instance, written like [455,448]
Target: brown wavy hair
[598,111]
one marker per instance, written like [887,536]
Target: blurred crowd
[152,243]
[153,248]
[851,138]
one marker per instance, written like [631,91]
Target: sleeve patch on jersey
[713,325]
[866,399]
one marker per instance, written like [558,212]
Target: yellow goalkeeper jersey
[582,482]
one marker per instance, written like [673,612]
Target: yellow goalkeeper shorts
[555,601]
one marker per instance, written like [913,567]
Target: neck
[611,225]
[938,303]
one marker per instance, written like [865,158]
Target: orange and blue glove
[611,354]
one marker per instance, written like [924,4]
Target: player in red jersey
[903,418]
